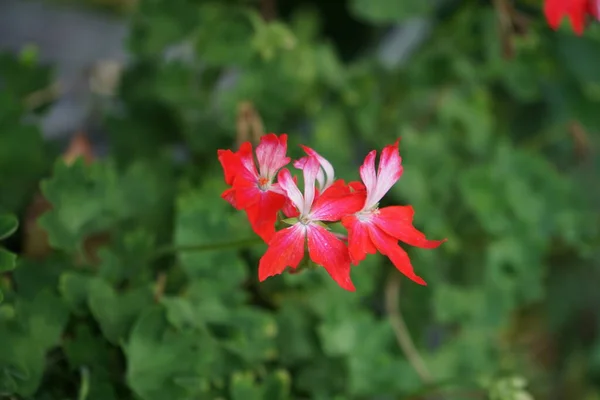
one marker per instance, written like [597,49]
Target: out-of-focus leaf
[388,11]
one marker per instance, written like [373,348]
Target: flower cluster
[576,10]
[270,195]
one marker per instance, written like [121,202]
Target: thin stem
[207,247]
[84,388]
[405,342]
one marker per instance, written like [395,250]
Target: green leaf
[166,363]
[243,386]
[388,11]
[116,312]
[8,260]
[8,226]
[572,49]
[74,288]
[37,328]
[203,218]
[84,199]
[87,349]
[89,199]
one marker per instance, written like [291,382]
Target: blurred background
[111,114]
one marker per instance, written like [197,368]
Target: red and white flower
[252,190]
[325,200]
[287,247]
[373,228]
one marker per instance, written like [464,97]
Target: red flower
[575,10]
[286,249]
[372,228]
[255,191]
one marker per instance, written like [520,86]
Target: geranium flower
[576,10]
[252,190]
[287,247]
[373,228]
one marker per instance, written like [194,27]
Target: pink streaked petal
[388,173]
[271,154]
[301,162]
[397,221]
[310,170]
[288,184]
[330,252]
[388,246]
[286,249]
[263,214]
[247,159]
[231,164]
[359,241]
[229,196]
[326,165]
[332,205]
[367,172]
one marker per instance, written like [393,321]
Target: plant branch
[392,297]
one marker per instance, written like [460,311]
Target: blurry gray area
[73,41]
[76,41]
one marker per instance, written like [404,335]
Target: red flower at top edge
[254,190]
[373,228]
[575,10]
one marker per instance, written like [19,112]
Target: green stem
[84,388]
[207,247]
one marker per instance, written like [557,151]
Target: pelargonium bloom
[373,228]
[287,247]
[576,10]
[252,190]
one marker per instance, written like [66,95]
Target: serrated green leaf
[117,312]
[37,328]
[162,361]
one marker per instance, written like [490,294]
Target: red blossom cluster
[270,194]
[576,10]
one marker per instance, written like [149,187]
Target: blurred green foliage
[498,155]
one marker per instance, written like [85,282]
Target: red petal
[286,249]
[229,195]
[593,8]
[263,213]
[231,164]
[289,209]
[357,186]
[247,192]
[397,221]
[388,246]
[332,205]
[331,253]
[556,10]
[359,241]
